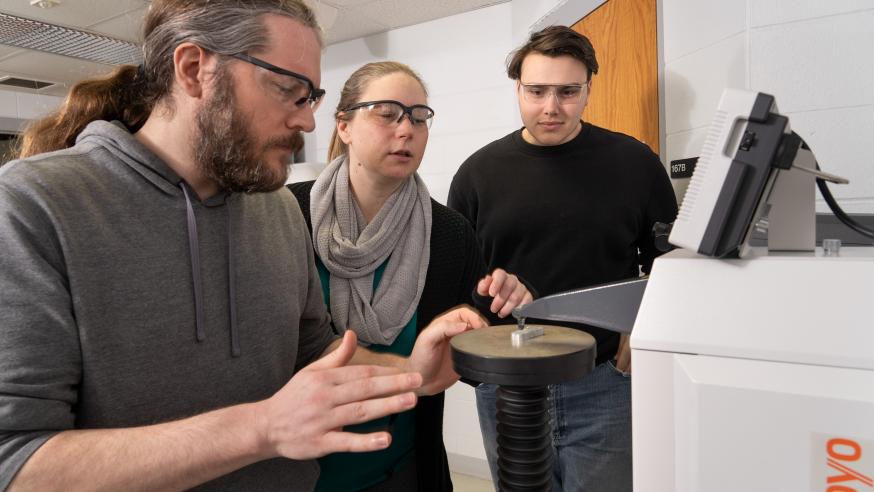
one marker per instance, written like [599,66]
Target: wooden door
[625,96]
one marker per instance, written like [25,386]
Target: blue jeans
[591,431]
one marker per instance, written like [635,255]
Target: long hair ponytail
[129,94]
[117,96]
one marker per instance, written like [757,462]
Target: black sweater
[566,216]
[454,268]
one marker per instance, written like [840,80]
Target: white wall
[813,56]
[460,59]
[16,108]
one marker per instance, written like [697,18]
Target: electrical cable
[838,211]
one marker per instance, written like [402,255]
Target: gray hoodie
[124,302]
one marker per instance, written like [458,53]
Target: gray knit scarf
[352,250]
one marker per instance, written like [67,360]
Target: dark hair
[355,85]
[554,41]
[130,93]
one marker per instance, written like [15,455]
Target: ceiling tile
[398,13]
[352,26]
[122,19]
[51,68]
[71,13]
[126,26]
[346,3]
[6,50]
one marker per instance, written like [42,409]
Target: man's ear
[343,131]
[190,63]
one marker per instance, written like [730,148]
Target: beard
[225,150]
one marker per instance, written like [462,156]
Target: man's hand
[505,289]
[623,354]
[305,418]
[431,356]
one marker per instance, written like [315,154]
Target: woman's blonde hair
[355,86]
[130,93]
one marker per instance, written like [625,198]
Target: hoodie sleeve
[316,331]
[40,362]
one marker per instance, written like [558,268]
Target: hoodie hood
[115,138]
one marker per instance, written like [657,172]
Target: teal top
[349,472]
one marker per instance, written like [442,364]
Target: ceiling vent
[24,83]
[59,40]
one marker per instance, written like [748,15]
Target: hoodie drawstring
[194,249]
[232,294]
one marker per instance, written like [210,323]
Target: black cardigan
[454,268]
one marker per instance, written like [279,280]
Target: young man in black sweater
[566,204]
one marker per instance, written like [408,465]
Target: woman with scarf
[390,260]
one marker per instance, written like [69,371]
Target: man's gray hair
[224,27]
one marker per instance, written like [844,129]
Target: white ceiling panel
[349,26]
[7,50]
[37,62]
[127,26]
[344,3]
[51,68]
[121,19]
[72,13]
[397,13]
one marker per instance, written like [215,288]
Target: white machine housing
[755,374]
[750,170]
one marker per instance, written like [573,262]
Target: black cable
[839,213]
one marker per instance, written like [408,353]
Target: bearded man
[161,318]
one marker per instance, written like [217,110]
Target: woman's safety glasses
[390,113]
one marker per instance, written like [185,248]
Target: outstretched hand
[305,418]
[506,291]
[431,356]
